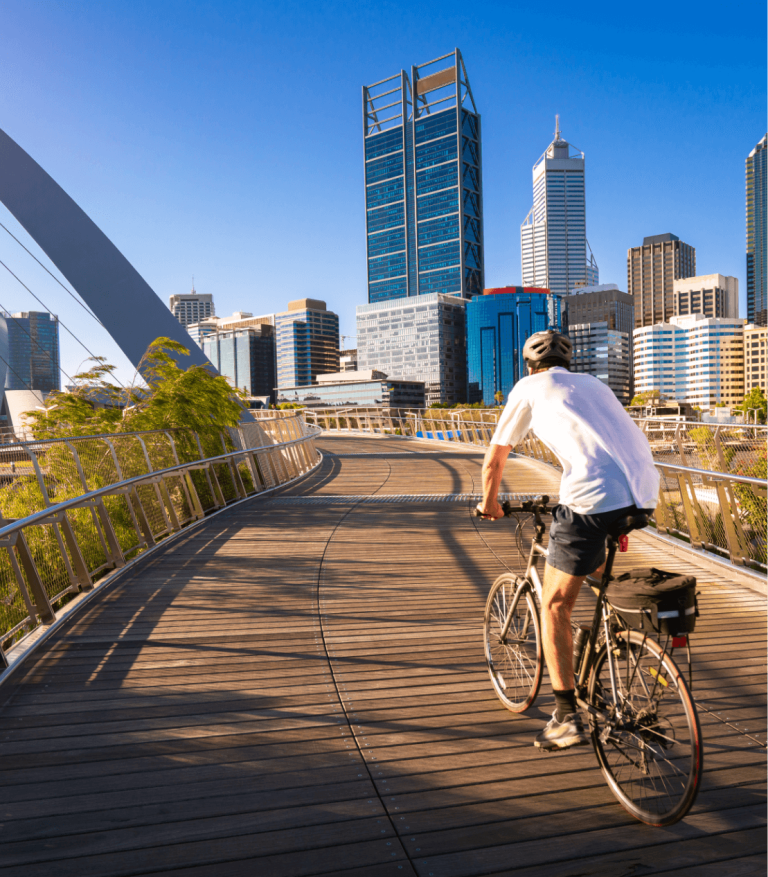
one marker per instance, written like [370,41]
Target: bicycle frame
[600,618]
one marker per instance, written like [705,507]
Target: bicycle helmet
[547,345]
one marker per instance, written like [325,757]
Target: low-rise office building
[693,358]
[356,388]
[239,320]
[422,338]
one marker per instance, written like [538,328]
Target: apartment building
[755,374]
[693,359]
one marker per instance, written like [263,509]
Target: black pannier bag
[655,601]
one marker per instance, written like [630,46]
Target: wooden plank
[272,693]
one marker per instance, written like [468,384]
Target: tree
[174,397]
[648,396]
[499,397]
[755,398]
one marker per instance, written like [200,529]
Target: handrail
[715,511]
[710,474]
[65,547]
[67,504]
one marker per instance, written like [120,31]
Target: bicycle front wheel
[649,742]
[515,660]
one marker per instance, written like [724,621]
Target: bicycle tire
[651,755]
[515,668]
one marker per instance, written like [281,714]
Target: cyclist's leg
[559,593]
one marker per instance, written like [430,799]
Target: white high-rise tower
[553,238]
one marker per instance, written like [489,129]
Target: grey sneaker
[562,735]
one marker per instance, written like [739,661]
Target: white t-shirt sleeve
[515,420]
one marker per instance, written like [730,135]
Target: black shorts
[577,542]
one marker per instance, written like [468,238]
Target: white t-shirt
[607,462]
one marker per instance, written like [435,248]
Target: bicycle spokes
[648,741]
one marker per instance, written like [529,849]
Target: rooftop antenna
[557,127]
[193,284]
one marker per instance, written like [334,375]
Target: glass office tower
[498,325]
[423,183]
[246,356]
[307,342]
[33,352]
[757,233]
[553,238]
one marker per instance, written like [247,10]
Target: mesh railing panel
[13,607]
[114,526]
[153,509]
[130,455]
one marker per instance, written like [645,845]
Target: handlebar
[536,507]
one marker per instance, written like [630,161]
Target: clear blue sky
[223,139]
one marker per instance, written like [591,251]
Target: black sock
[566,703]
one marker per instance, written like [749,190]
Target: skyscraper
[423,183]
[191,308]
[651,273]
[757,234]
[32,352]
[553,237]
[307,336]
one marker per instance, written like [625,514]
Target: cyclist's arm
[514,423]
[493,469]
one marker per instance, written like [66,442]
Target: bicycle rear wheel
[515,662]
[649,744]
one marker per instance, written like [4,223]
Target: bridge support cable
[61,322]
[68,291]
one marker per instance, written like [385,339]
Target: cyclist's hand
[491,512]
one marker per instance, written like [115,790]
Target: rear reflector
[679,641]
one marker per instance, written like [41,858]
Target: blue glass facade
[33,352]
[498,325]
[423,193]
[245,356]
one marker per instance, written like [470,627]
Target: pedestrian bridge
[295,686]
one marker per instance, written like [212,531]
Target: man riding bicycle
[608,473]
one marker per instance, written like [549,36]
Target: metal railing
[733,448]
[92,504]
[722,512]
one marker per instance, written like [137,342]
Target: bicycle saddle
[631,522]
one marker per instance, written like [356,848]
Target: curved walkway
[296,687]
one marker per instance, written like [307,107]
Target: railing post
[42,603]
[734,533]
[693,525]
[81,568]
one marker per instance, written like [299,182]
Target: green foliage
[755,398]
[191,398]
[287,406]
[707,448]
[648,396]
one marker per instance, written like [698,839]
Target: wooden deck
[296,687]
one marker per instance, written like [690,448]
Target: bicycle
[643,722]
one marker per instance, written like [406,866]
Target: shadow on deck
[297,688]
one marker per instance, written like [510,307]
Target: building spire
[557,127]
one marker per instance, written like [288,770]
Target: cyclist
[608,473]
